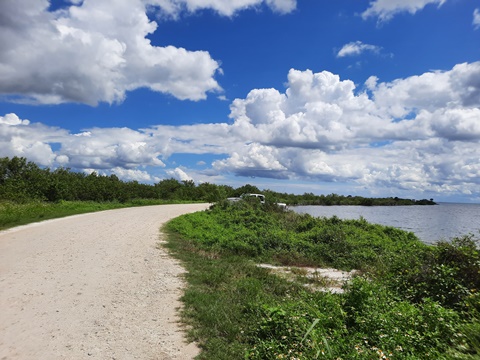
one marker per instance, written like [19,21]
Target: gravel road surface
[93,286]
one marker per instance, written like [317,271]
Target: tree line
[24,181]
[335,199]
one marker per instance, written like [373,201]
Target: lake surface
[429,223]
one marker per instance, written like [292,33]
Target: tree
[246,189]
[167,188]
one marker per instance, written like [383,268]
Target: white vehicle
[246,196]
[258,196]
[261,197]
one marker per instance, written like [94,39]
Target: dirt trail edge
[92,286]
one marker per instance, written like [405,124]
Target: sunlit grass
[237,310]
[14,214]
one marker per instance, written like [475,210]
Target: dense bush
[412,301]
[249,228]
[447,273]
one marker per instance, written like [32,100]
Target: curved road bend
[92,286]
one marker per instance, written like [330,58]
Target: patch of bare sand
[92,286]
[319,279]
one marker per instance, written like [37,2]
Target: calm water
[429,223]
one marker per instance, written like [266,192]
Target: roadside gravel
[92,286]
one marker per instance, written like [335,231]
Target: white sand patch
[317,279]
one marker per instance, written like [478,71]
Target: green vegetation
[29,193]
[24,181]
[14,214]
[335,199]
[410,301]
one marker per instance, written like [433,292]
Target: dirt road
[92,286]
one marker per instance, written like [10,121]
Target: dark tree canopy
[22,181]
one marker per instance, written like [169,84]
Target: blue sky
[372,98]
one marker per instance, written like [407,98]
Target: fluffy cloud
[97,149]
[254,160]
[192,139]
[21,138]
[386,9]
[356,48]
[13,119]
[418,134]
[459,87]
[456,124]
[133,175]
[97,50]
[318,110]
[93,52]
[179,174]
[110,147]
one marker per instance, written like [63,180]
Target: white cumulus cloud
[98,148]
[132,175]
[93,52]
[13,119]
[179,174]
[31,140]
[419,134]
[98,50]
[458,87]
[107,148]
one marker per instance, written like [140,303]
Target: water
[429,223]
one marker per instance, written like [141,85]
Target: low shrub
[396,326]
[447,273]
[413,301]
[252,229]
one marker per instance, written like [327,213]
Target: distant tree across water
[334,199]
[24,181]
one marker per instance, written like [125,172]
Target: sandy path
[92,286]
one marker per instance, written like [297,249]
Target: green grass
[286,238]
[412,302]
[14,214]
[398,308]
[222,299]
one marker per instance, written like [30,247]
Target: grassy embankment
[15,214]
[412,301]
